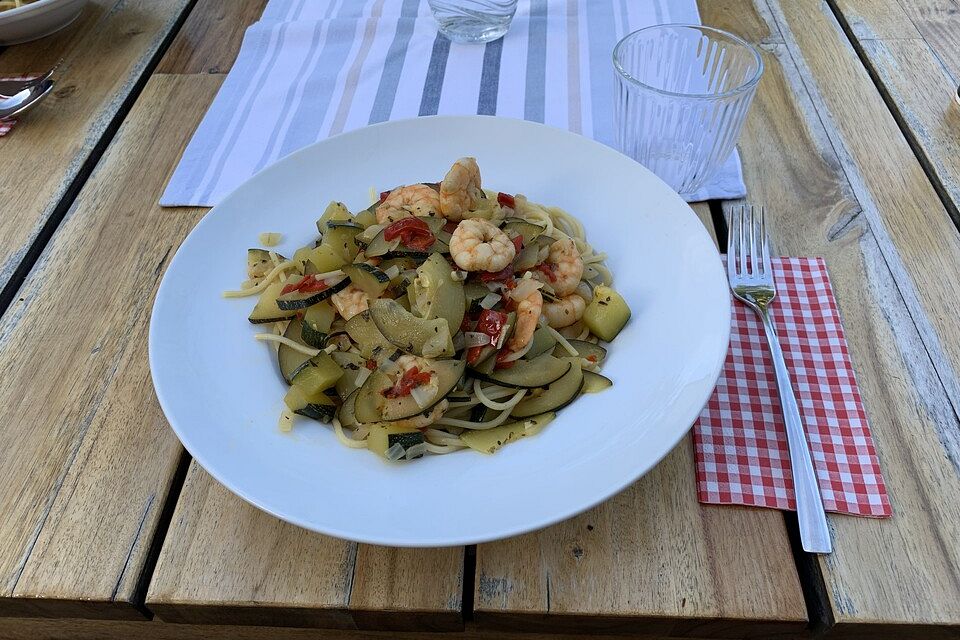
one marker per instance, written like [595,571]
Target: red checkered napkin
[740,439]
[7,125]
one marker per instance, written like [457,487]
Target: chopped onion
[518,354]
[390,367]
[458,342]
[475,339]
[424,394]
[501,338]
[490,300]
[362,375]
[495,286]
[524,288]
[393,271]
[458,276]
[416,451]
[395,453]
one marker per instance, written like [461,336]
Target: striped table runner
[315,68]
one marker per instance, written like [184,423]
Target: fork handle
[814,534]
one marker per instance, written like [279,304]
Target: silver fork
[751,279]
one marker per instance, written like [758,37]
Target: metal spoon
[25,100]
[957,97]
[9,88]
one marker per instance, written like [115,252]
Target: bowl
[37,20]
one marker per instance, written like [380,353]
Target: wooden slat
[274,573]
[87,456]
[824,153]
[623,567]
[919,74]
[104,53]
[211,36]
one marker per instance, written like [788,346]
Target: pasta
[443,317]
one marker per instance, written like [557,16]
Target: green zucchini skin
[296,300]
[554,397]
[318,412]
[530,374]
[595,383]
[290,360]
[405,440]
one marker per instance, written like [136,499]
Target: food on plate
[442,317]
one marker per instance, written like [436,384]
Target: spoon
[10,88]
[25,100]
[957,97]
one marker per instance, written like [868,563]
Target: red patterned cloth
[7,125]
[740,439]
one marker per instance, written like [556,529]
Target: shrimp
[528,315]
[565,268]
[565,311]
[350,301]
[412,200]
[460,189]
[477,245]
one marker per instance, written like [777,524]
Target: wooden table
[109,530]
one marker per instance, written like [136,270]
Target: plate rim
[386,540]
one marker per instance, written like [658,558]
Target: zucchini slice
[370,279]
[368,216]
[380,246]
[266,309]
[434,294]
[543,341]
[317,405]
[519,227]
[319,374]
[353,367]
[489,440]
[529,374]
[296,300]
[316,324]
[421,337]
[345,412]
[607,313]
[372,406]
[368,338]
[290,360]
[473,293]
[334,211]
[595,383]
[340,236]
[554,397]
[384,436]
[593,352]
[259,263]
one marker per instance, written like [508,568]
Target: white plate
[222,391]
[38,19]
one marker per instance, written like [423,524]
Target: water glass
[682,95]
[473,20]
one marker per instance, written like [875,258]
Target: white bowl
[36,20]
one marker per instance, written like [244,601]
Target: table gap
[139,600]
[469,577]
[52,223]
[888,99]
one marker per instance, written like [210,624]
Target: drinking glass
[682,94]
[473,20]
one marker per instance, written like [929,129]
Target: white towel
[314,68]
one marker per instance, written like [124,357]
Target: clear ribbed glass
[683,92]
[473,20]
